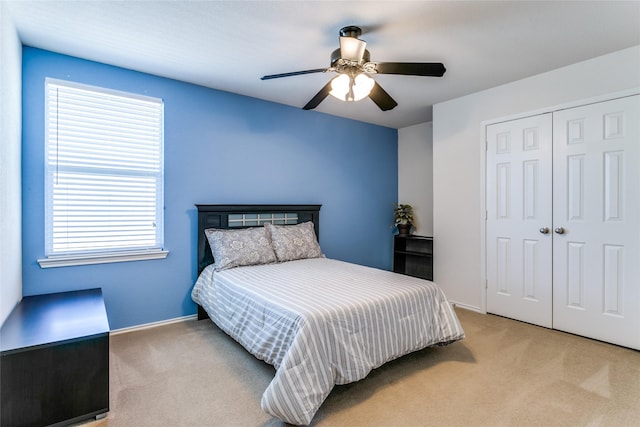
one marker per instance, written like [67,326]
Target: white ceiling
[229,45]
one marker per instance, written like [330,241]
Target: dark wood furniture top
[54,318]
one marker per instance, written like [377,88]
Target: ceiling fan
[352,63]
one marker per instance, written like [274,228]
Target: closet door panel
[518,208]
[596,209]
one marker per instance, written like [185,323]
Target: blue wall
[219,148]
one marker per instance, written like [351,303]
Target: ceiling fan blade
[430,69]
[320,96]
[295,73]
[382,98]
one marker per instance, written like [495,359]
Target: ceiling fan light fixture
[347,88]
[352,48]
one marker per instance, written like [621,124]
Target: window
[103,175]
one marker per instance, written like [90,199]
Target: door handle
[559,230]
[544,230]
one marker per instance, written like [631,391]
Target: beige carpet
[505,373]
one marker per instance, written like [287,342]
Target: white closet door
[596,204]
[519,236]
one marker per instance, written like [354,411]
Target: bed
[320,322]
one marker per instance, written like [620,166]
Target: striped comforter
[322,322]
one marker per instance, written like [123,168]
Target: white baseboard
[195,317]
[468,307]
[154,324]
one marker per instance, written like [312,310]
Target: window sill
[105,258]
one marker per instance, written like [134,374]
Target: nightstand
[413,256]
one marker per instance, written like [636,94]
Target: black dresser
[54,360]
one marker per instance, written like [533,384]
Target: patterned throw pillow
[291,242]
[234,248]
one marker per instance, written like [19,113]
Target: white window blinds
[103,169]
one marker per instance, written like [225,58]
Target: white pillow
[291,242]
[234,248]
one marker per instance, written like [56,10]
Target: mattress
[322,322]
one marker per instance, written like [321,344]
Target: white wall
[457,145]
[415,178]
[10,165]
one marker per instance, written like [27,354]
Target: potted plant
[403,218]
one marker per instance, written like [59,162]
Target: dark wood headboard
[217,216]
